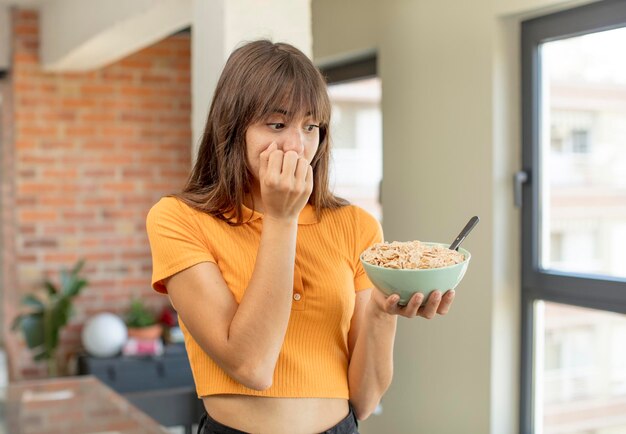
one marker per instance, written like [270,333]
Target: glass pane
[581,370]
[356,138]
[583,154]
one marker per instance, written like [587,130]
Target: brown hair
[256,76]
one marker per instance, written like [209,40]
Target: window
[580,141]
[355,95]
[574,222]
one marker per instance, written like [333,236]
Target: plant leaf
[74,287]
[52,290]
[65,278]
[32,326]
[59,315]
[32,301]
[79,265]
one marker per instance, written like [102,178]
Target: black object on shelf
[161,386]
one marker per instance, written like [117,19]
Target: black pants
[208,425]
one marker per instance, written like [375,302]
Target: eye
[276,125]
[311,128]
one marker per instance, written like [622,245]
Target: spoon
[464,233]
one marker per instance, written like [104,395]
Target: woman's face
[300,134]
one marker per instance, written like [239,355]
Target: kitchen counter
[70,405]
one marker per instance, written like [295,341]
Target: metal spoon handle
[464,233]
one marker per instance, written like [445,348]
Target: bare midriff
[262,415]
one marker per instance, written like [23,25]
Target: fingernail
[452,292]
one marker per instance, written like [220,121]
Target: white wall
[451,134]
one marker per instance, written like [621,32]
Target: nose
[294,140]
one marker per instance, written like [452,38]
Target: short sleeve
[175,241]
[368,233]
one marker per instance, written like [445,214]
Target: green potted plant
[46,312]
[142,323]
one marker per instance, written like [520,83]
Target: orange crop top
[313,361]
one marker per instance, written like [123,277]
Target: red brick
[77,103]
[37,216]
[119,186]
[57,201]
[67,173]
[40,243]
[78,215]
[116,159]
[137,117]
[99,172]
[56,144]
[157,105]
[26,15]
[36,187]
[100,201]
[61,115]
[30,130]
[58,230]
[25,144]
[98,89]
[27,258]
[135,63]
[119,131]
[117,76]
[61,258]
[137,91]
[97,257]
[23,202]
[98,117]
[26,29]
[82,131]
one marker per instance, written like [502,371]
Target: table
[70,405]
[161,386]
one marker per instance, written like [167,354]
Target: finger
[275,164]
[301,170]
[391,303]
[446,302]
[412,307]
[309,178]
[290,161]
[430,309]
[407,310]
[265,156]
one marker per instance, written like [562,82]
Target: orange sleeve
[369,232]
[175,241]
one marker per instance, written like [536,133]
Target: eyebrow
[287,113]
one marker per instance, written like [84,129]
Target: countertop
[70,405]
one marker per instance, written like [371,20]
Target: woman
[284,331]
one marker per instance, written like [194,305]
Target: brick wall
[92,152]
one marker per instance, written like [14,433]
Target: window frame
[356,67]
[608,293]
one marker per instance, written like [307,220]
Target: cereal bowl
[406,282]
